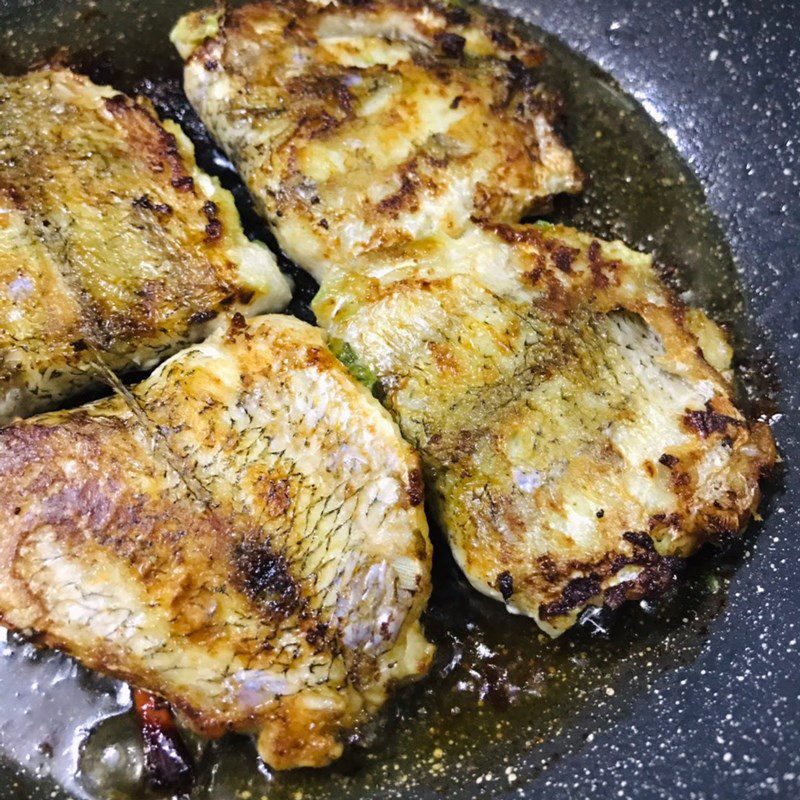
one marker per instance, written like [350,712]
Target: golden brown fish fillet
[576,439]
[574,419]
[113,244]
[244,536]
[362,124]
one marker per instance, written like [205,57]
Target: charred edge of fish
[709,421]
[656,575]
[199,317]
[502,39]
[505,585]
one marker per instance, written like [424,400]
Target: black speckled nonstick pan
[686,117]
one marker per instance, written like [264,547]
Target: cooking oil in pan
[503,702]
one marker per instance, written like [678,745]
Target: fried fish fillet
[574,419]
[243,534]
[364,124]
[113,244]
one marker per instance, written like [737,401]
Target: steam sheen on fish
[114,246]
[243,534]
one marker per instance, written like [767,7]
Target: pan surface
[697,698]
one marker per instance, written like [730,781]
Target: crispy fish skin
[244,536]
[360,125]
[113,243]
[574,419]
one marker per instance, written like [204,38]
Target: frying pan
[685,115]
